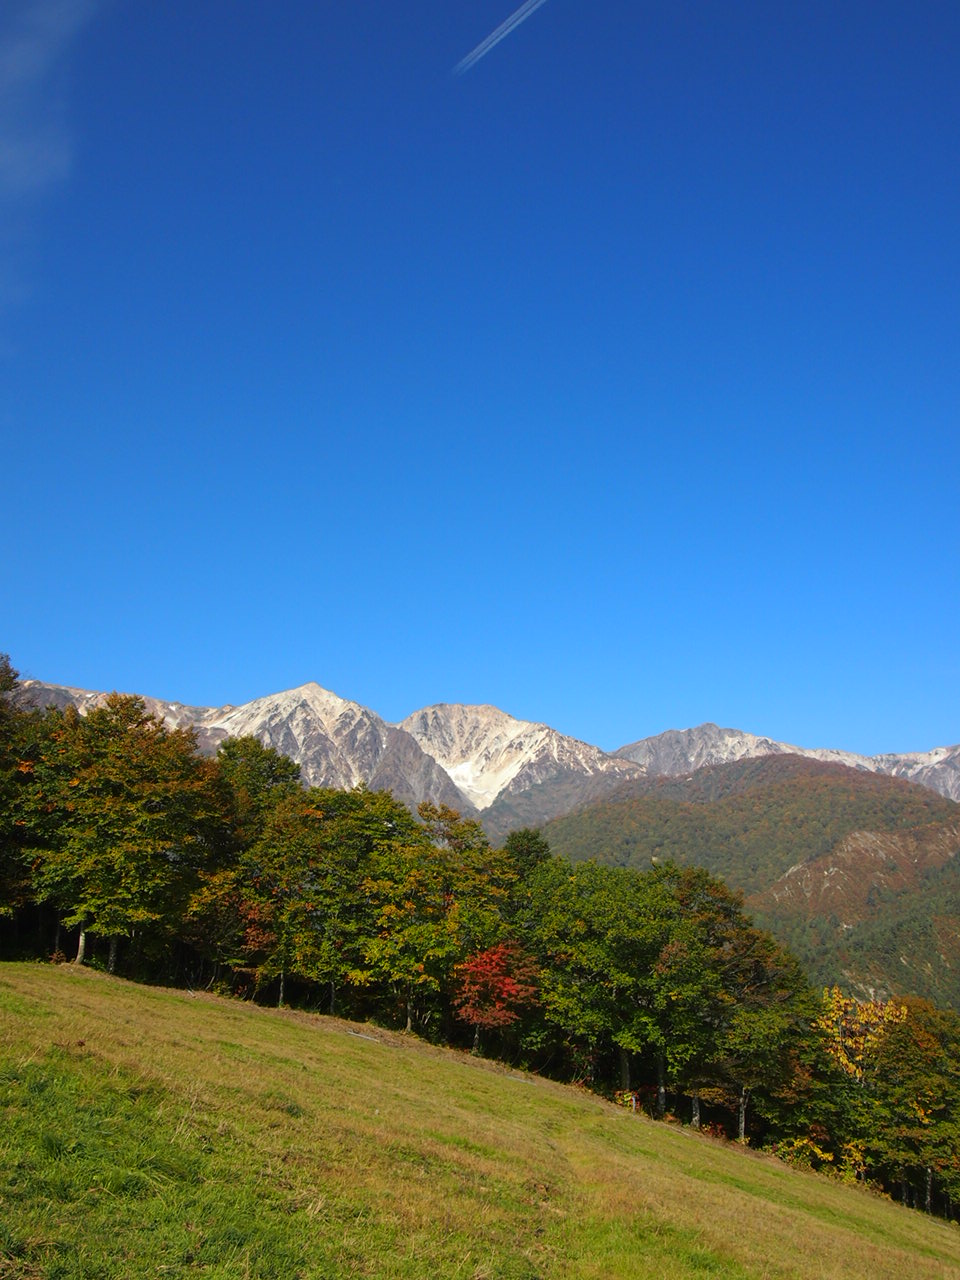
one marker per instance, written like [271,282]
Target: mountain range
[680,751]
[478,759]
[843,856]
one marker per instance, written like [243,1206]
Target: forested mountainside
[749,821]
[840,863]
[891,924]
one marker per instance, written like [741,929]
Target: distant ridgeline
[507,772]
[121,843]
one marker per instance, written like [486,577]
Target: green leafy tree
[257,778]
[254,780]
[691,977]
[413,947]
[915,1143]
[8,676]
[772,1013]
[439,895]
[598,935]
[126,812]
[527,849]
[477,880]
[14,770]
[303,905]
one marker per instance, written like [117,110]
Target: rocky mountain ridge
[682,751]
[479,759]
[489,754]
[337,743]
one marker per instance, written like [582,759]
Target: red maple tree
[494,987]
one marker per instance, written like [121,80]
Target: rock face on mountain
[340,744]
[476,758]
[685,750]
[680,751]
[938,769]
[515,773]
[846,883]
[337,743]
[489,754]
[34,693]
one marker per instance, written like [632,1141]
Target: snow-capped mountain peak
[488,753]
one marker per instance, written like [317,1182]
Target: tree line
[121,842]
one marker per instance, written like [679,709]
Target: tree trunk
[283,985]
[624,1068]
[476,1039]
[695,1111]
[56,939]
[410,1010]
[81,947]
[333,998]
[742,1114]
[112,957]
[661,1086]
[928,1197]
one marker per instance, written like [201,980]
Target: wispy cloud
[494,38]
[36,139]
[36,148]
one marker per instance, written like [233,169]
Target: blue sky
[614,382]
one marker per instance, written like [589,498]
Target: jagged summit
[306,704]
[489,753]
[479,758]
[337,743]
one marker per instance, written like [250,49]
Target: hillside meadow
[148,1132]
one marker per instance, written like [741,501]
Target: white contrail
[495,37]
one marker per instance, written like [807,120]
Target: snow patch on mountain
[488,753]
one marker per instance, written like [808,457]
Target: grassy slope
[154,1133]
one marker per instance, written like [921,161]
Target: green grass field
[152,1133]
